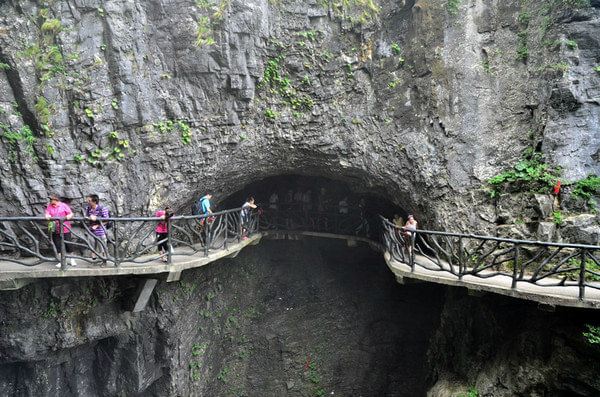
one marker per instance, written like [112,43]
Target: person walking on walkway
[95,213]
[246,216]
[409,232]
[58,209]
[205,204]
[162,232]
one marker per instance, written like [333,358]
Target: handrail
[545,264]
[139,218]
[23,240]
[501,239]
[121,239]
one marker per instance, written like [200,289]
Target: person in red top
[58,209]
[162,232]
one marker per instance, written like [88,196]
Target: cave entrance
[313,194]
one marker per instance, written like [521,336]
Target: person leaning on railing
[95,213]
[58,209]
[408,231]
[162,232]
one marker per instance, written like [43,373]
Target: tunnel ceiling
[156,102]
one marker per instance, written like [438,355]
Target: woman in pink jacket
[58,209]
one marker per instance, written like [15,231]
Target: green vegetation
[453,7]
[522,49]
[114,104]
[4,66]
[557,218]
[392,84]
[206,24]
[15,137]
[270,114]
[587,188]
[204,32]
[89,113]
[167,126]
[223,374]
[571,44]
[593,335]
[355,12]
[51,25]
[597,69]
[309,35]
[78,158]
[485,64]
[471,392]
[396,50]
[275,79]
[590,266]
[560,67]
[531,173]
[195,371]
[52,311]
[198,349]
[44,112]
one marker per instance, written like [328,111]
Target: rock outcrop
[153,102]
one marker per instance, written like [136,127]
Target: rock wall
[498,346]
[154,102]
[306,318]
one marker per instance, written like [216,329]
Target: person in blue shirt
[205,204]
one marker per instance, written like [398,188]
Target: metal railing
[29,240]
[351,223]
[544,264]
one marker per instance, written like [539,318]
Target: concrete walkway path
[13,275]
[542,292]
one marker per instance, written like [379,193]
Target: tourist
[307,201]
[274,201]
[95,212]
[409,232]
[398,221]
[205,204]
[58,209]
[246,216]
[363,226]
[343,206]
[162,232]
[322,202]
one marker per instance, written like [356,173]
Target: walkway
[549,273]
[545,291]
[14,276]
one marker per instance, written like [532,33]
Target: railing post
[169,242]
[63,251]
[411,255]
[240,228]
[461,258]
[582,276]
[206,235]
[515,266]
[116,233]
[226,230]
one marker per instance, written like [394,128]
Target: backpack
[197,207]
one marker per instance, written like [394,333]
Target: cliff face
[500,347]
[282,319]
[148,102]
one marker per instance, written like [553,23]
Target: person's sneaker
[57,265]
[72,262]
